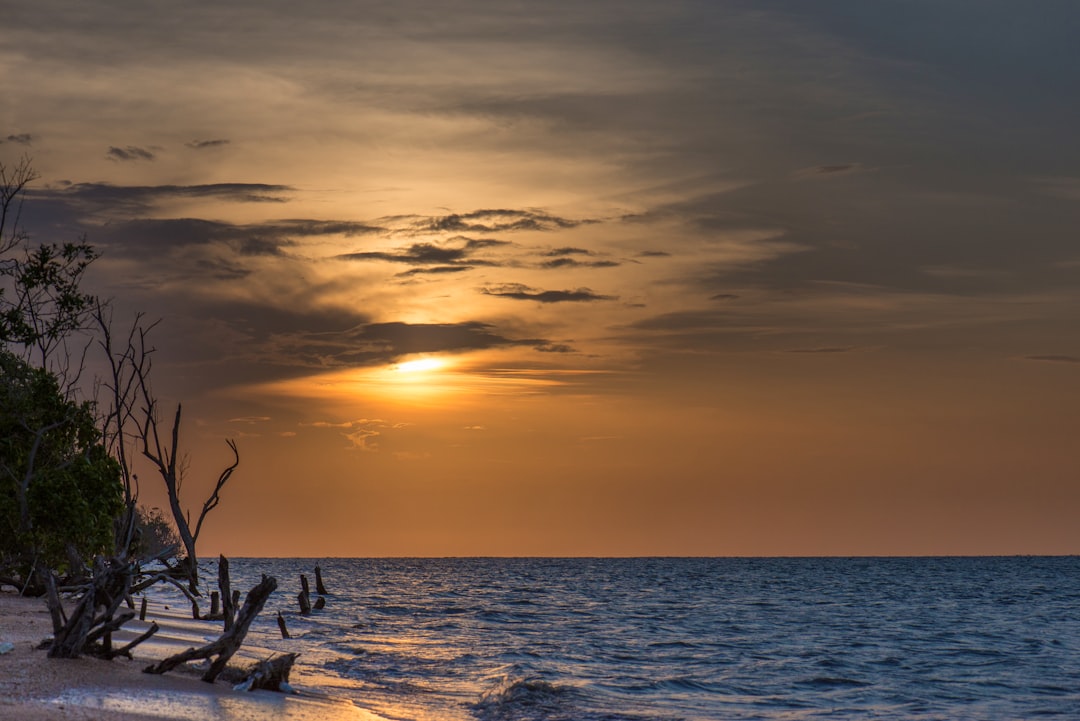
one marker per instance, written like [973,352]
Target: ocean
[699,639]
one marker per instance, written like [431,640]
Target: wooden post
[281,626]
[319,587]
[215,602]
[236,599]
[305,596]
[228,598]
[142,609]
[320,603]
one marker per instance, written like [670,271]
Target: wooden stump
[305,603]
[227,595]
[319,587]
[281,626]
[320,603]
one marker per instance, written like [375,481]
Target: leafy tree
[155,533]
[60,491]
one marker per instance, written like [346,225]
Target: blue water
[694,639]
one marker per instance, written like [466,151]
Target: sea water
[695,639]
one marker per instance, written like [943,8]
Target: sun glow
[420,365]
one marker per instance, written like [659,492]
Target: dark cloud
[20,138]
[130,153]
[518,291]
[134,200]
[654,254]
[377,343]
[829,349]
[204,144]
[723,296]
[456,251]
[435,270]
[1053,358]
[555,348]
[147,237]
[567,251]
[565,262]
[498,220]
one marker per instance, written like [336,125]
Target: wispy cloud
[517,291]
[204,144]
[457,251]
[498,220]
[1054,358]
[20,138]
[129,153]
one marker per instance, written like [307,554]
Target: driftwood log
[270,675]
[229,642]
[319,587]
[281,626]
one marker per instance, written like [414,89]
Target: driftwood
[320,603]
[229,642]
[148,582]
[319,587]
[281,626]
[228,599]
[108,587]
[270,675]
[126,649]
[305,597]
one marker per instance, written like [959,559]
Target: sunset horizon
[582,280]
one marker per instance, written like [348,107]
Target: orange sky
[593,279]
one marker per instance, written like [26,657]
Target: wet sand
[34,687]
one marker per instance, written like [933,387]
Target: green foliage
[59,488]
[45,303]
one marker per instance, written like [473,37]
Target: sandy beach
[34,687]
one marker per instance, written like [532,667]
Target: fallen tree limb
[271,674]
[126,649]
[229,642]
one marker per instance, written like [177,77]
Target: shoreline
[34,687]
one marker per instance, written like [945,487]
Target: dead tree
[164,454]
[229,642]
[89,628]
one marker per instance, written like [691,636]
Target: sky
[584,279]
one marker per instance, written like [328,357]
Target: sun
[419,365]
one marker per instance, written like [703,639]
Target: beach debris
[228,596]
[87,630]
[142,609]
[320,603]
[281,626]
[319,587]
[6,647]
[304,597]
[229,642]
[269,675]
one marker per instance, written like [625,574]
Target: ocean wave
[526,699]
